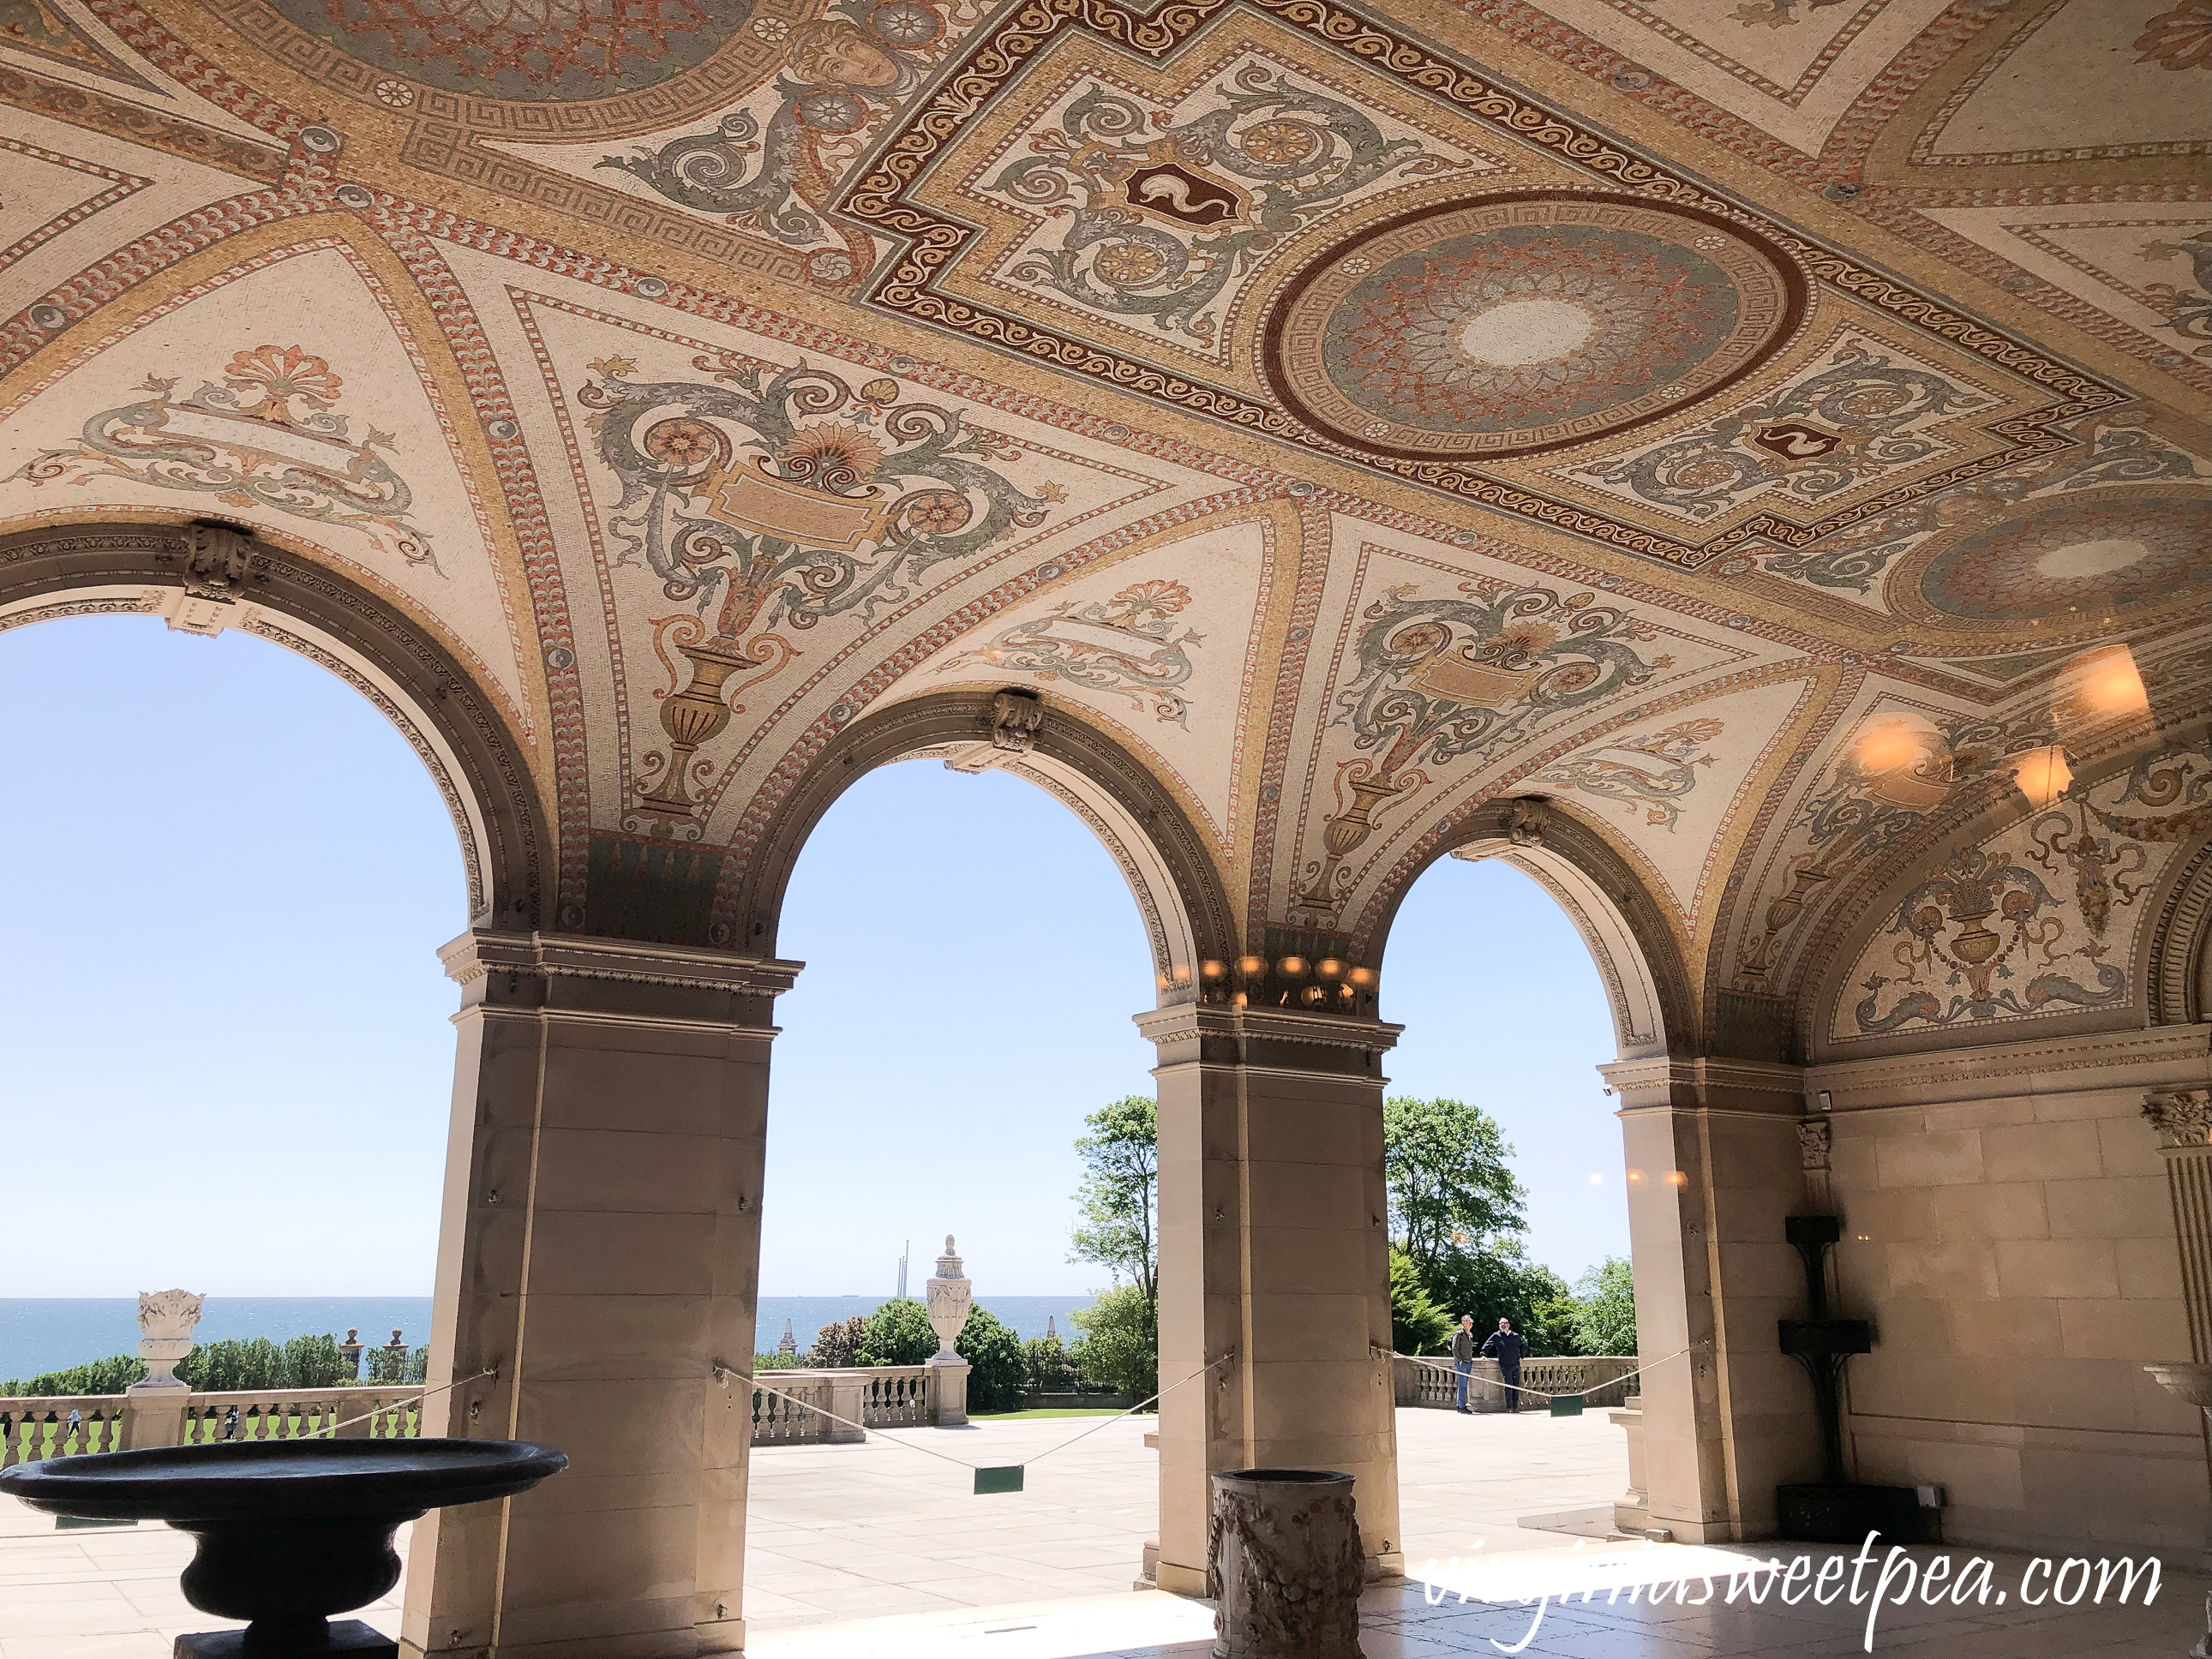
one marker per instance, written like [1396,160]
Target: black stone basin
[289,1531]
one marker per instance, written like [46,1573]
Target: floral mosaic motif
[1853,420]
[270,435]
[526,49]
[794,497]
[1439,679]
[1876,795]
[841,76]
[1127,646]
[2037,920]
[2187,310]
[1856,558]
[1651,775]
[1949,944]
[2179,40]
[1160,217]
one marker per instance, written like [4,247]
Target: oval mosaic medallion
[1521,323]
[2072,555]
[526,49]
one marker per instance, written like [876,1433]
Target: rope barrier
[402,1405]
[1451,1369]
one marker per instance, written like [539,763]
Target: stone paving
[858,1551]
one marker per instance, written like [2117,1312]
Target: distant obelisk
[904,1251]
[790,1343]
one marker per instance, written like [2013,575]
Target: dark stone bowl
[289,1531]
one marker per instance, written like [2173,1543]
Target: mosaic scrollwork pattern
[1126,645]
[268,433]
[1651,775]
[795,496]
[1159,218]
[1861,416]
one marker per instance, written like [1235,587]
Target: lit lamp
[2042,775]
[2100,687]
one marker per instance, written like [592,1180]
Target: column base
[722,1636]
[1180,1581]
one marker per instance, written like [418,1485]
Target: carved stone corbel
[217,559]
[1016,716]
[1526,820]
[1815,1135]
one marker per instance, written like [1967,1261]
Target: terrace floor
[858,1551]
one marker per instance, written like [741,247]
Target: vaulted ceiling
[1732,421]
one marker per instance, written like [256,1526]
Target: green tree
[1607,1295]
[1119,1200]
[774,1360]
[1554,1323]
[1445,1163]
[1121,1342]
[998,1369]
[897,1334]
[838,1346]
[1500,1282]
[314,1362]
[1417,1324]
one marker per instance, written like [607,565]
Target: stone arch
[1160,853]
[1621,921]
[206,577]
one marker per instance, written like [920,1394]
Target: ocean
[46,1334]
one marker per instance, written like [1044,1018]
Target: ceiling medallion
[526,50]
[2072,558]
[1524,322]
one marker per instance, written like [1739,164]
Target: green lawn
[1056,1411]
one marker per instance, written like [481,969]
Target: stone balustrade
[69,1425]
[875,1396]
[1596,1377]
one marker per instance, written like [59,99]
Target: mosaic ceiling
[1733,421]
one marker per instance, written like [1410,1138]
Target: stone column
[1274,1255]
[1714,1168]
[2183,1119]
[599,1249]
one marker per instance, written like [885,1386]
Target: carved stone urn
[950,1299]
[167,1320]
[1283,1566]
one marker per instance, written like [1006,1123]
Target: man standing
[1505,1346]
[1463,1354]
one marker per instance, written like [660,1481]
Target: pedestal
[1284,1565]
[1632,1511]
[154,1415]
[948,1392]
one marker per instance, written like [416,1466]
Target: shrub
[233,1364]
[1051,1371]
[1121,1342]
[838,1346]
[110,1376]
[1417,1324]
[781,1361]
[998,1369]
[418,1364]
[897,1334]
[314,1362]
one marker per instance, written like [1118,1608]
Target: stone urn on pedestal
[950,1298]
[167,1320]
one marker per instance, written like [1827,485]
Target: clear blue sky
[228,1056]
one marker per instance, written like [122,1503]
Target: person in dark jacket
[1504,1344]
[1463,1354]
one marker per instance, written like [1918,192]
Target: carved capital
[1814,1135]
[217,560]
[2182,1118]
